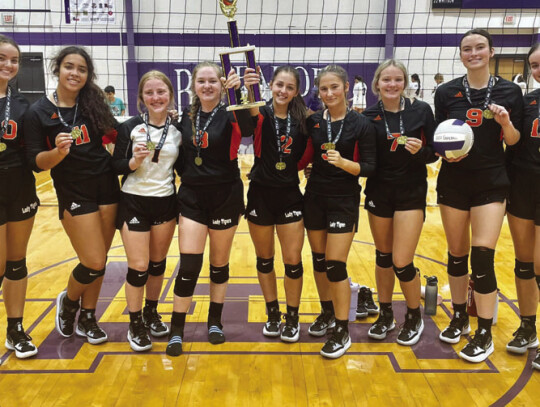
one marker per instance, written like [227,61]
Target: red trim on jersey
[48,143]
[356,154]
[307,157]
[236,139]
[109,137]
[423,137]
[257,136]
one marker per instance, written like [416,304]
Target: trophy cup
[253,99]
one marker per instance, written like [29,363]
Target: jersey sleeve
[440,110]
[123,150]
[35,142]
[366,150]
[426,153]
[517,111]
[307,157]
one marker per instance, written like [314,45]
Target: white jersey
[359,95]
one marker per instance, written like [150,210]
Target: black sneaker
[324,322]
[524,338]
[272,326]
[369,304]
[152,320]
[215,334]
[479,348]
[536,361]
[411,331]
[89,329]
[337,345]
[459,325]
[138,337]
[65,316]
[174,347]
[361,310]
[291,330]
[384,324]
[20,342]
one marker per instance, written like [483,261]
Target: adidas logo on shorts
[370,203]
[134,221]
[253,213]
[74,206]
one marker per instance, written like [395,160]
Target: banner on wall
[90,11]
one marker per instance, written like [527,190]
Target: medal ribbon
[401,127]
[55,95]
[198,132]
[158,148]
[329,127]
[278,138]
[6,113]
[489,90]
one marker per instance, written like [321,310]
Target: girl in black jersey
[341,146]
[396,195]
[472,189]
[274,198]
[18,202]
[524,216]
[210,199]
[146,150]
[63,133]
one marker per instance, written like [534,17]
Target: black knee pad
[483,269]
[319,262]
[265,266]
[188,274]
[458,266]
[137,278]
[294,271]
[405,274]
[16,270]
[219,275]
[336,271]
[383,260]
[537,281]
[157,268]
[86,275]
[524,270]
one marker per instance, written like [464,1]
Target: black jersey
[394,163]
[265,145]
[218,149]
[87,156]
[487,151]
[357,143]
[526,153]
[13,155]
[150,178]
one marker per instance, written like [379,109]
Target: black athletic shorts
[140,213]
[384,199]
[477,188]
[273,206]
[336,214]
[18,198]
[86,196]
[524,200]
[216,206]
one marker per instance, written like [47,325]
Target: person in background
[415,88]
[115,104]
[439,79]
[359,94]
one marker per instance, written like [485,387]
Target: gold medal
[402,140]
[488,114]
[329,146]
[280,166]
[3,147]
[150,146]
[76,133]
[198,161]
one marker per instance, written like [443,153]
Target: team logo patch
[142,130]
[54,116]
[253,213]
[74,206]
[134,221]
[533,102]
[458,95]
[378,118]
[317,126]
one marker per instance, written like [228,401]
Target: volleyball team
[390,143]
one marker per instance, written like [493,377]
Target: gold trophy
[253,99]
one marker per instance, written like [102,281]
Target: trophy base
[246,105]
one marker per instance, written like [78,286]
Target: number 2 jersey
[86,158]
[487,151]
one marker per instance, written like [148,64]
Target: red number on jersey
[285,148]
[11,131]
[535,129]
[204,140]
[395,137]
[85,138]
[474,117]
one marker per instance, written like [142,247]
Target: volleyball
[453,138]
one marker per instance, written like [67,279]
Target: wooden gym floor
[249,369]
